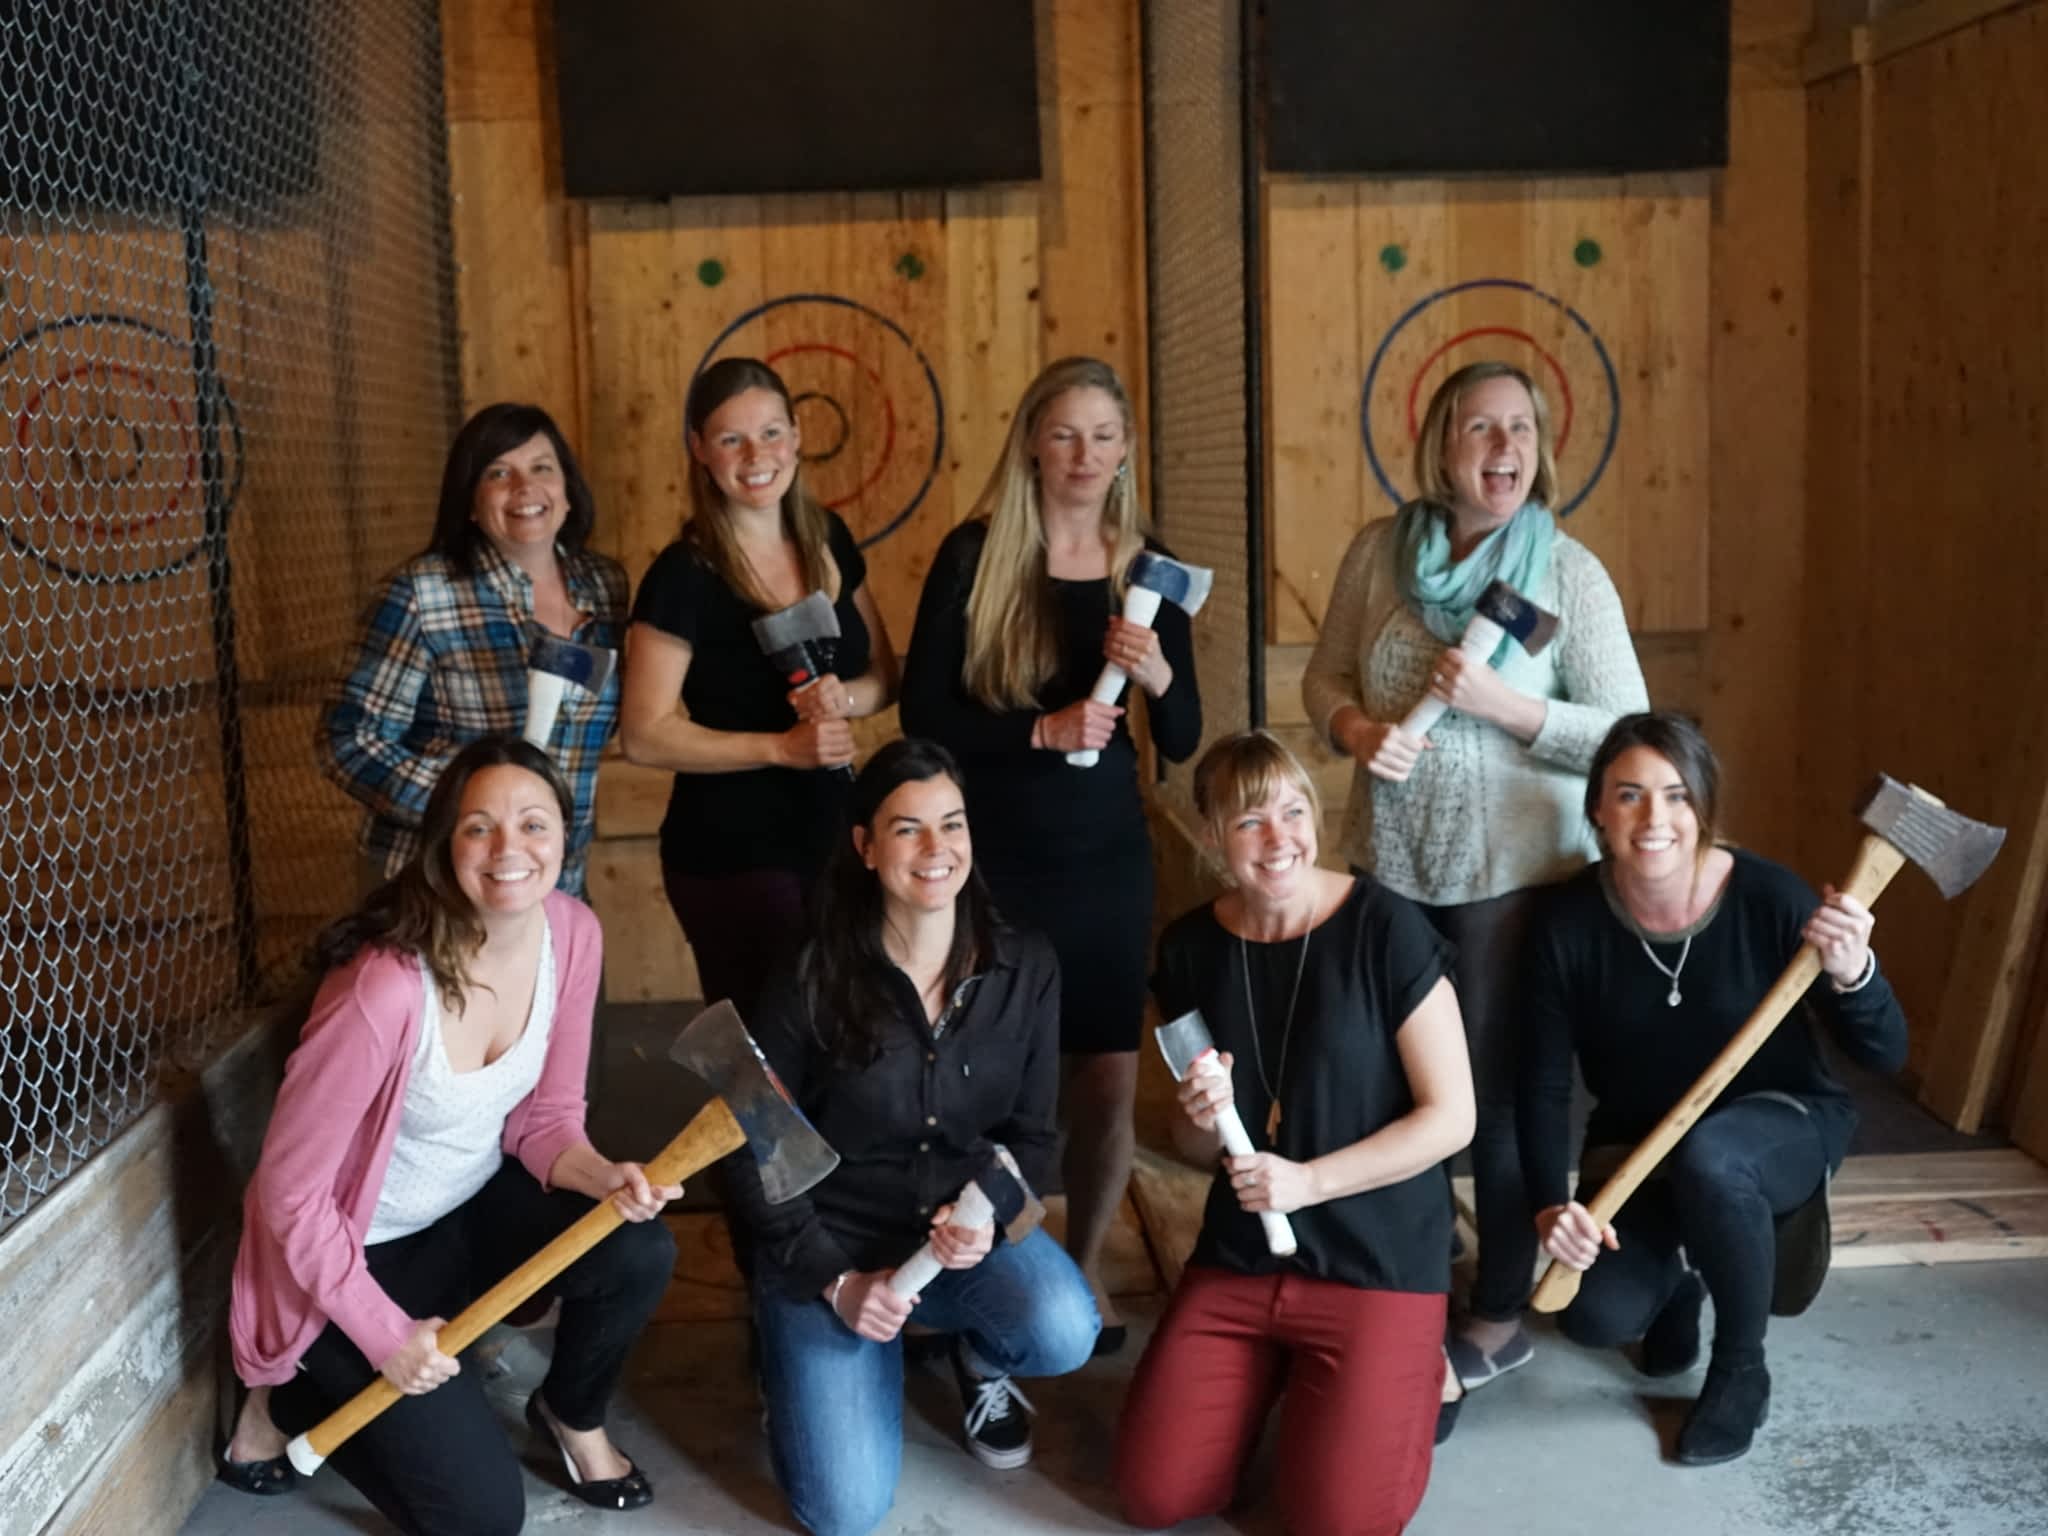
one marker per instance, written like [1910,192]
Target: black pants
[438,1464]
[1489,936]
[1715,1196]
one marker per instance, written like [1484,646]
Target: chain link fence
[228,374]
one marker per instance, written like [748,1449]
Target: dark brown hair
[1677,739]
[487,436]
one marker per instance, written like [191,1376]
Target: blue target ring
[1379,469]
[931,379]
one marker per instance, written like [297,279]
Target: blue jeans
[835,1399]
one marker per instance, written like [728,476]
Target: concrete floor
[1909,1402]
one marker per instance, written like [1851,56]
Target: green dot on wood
[1393,258]
[1587,253]
[710,273]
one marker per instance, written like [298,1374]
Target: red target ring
[888,447]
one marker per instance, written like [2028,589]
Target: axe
[802,643]
[1153,579]
[1904,822]
[552,666]
[973,1208]
[1187,1047]
[1502,613]
[749,1109]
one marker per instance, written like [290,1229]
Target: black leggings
[1489,936]
[1716,1196]
[438,1464]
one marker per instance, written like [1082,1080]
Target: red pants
[1358,1375]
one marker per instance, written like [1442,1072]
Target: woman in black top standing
[1330,1003]
[1642,967]
[1022,607]
[760,786]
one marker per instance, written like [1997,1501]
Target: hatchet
[802,643]
[749,1109]
[1152,579]
[1502,613]
[1187,1047]
[1905,822]
[973,1207]
[553,666]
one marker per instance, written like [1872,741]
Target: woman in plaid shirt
[441,658]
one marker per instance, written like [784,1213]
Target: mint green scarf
[1444,594]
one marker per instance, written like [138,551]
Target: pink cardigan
[329,1142]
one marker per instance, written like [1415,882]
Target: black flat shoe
[1110,1340]
[263,1478]
[632,1491]
[1732,1407]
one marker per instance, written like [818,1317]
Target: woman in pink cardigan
[427,1138]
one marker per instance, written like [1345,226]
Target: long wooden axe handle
[1876,862]
[710,1135]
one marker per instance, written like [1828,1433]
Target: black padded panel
[1425,87]
[661,98]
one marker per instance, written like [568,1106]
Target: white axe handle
[922,1267]
[1480,637]
[1279,1231]
[543,702]
[1141,606]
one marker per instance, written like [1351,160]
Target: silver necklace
[1671,998]
[1286,1030]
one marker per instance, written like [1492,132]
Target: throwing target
[103,451]
[867,401]
[1505,320]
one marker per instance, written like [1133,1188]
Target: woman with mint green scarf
[1473,822]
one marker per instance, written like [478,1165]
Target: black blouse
[758,818]
[916,1124]
[1368,966]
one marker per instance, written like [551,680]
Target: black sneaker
[1673,1343]
[1732,1407]
[998,1419]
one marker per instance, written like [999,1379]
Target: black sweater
[1593,993]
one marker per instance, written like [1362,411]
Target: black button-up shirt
[916,1124]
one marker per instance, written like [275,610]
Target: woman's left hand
[1470,686]
[1266,1181]
[959,1247]
[1840,930]
[822,698]
[1135,648]
[635,1198]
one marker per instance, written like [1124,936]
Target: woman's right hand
[1083,726]
[867,1305]
[1204,1093]
[1386,751]
[817,744]
[417,1366]
[1570,1235]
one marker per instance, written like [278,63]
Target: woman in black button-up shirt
[919,1037]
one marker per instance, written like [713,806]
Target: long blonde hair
[709,531]
[1013,643]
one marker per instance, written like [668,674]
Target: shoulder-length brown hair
[422,909]
[1012,629]
[709,530]
[1677,739]
[487,436]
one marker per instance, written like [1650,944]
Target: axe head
[791,1155]
[1528,625]
[589,667]
[1030,1209]
[1950,847]
[809,620]
[1185,586]
[1184,1041]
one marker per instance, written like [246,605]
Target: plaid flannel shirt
[440,661]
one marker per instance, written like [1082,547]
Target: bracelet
[1862,981]
[832,1301]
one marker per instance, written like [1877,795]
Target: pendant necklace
[1286,1030]
[1671,998]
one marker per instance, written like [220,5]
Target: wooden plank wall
[1926,543]
[603,311]
[1696,286]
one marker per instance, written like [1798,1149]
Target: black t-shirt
[1368,967]
[1593,993]
[762,818]
[1031,810]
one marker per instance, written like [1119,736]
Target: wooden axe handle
[1876,862]
[710,1135]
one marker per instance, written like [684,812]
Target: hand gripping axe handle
[1905,823]
[1187,1047]
[1153,579]
[750,1110]
[1501,613]
[972,1208]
